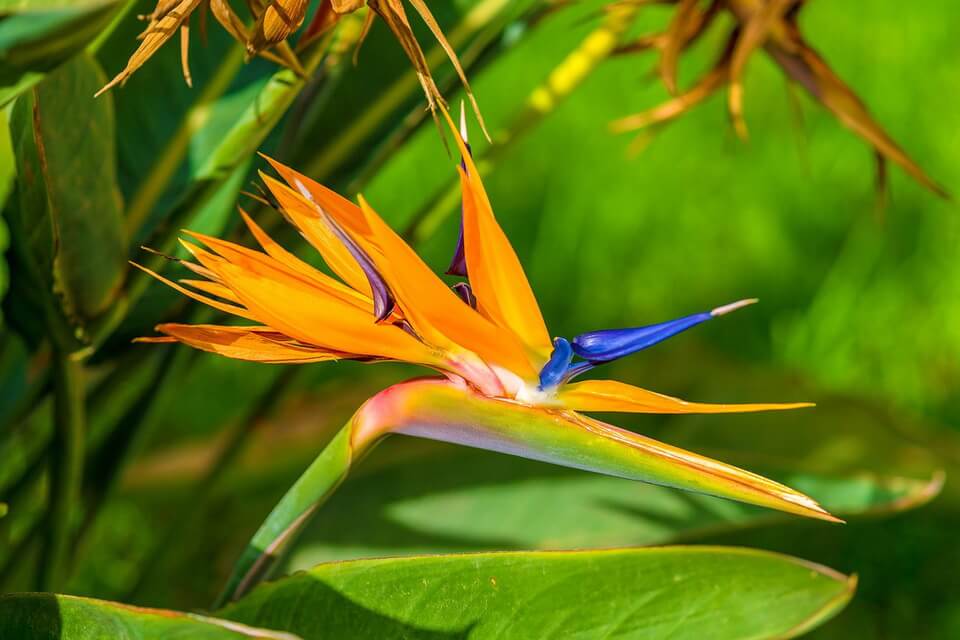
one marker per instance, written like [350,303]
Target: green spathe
[438,409]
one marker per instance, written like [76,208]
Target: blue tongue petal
[555,371]
[597,347]
[610,344]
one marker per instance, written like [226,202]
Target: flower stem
[66,469]
[291,514]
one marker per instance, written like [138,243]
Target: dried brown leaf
[808,69]
[753,34]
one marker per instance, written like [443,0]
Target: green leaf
[3,509]
[38,35]
[66,215]
[456,499]
[46,616]
[676,593]
[23,6]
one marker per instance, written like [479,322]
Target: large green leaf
[678,592]
[457,499]
[66,215]
[38,35]
[45,616]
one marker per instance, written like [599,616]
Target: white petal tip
[733,306]
[463,122]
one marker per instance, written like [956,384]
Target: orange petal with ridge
[496,275]
[279,253]
[302,215]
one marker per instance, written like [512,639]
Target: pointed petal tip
[463,122]
[811,508]
[733,306]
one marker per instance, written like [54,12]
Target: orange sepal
[257,344]
[610,395]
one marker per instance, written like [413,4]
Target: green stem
[291,514]
[66,469]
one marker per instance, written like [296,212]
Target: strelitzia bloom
[504,384]
[771,26]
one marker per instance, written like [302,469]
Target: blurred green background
[859,312]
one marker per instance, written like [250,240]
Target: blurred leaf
[38,35]
[455,499]
[66,215]
[7,174]
[667,592]
[30,616]
[164,127]
[3,509]
[210,196]
[4,270]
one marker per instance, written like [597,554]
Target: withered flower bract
[770,25]
[275,21]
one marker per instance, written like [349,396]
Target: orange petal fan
[254,261]
[310,310]
[610,395]
[434,309]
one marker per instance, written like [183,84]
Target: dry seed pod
[167,18]
[280,19]
[171,16]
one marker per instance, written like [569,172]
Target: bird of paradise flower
[504,384]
